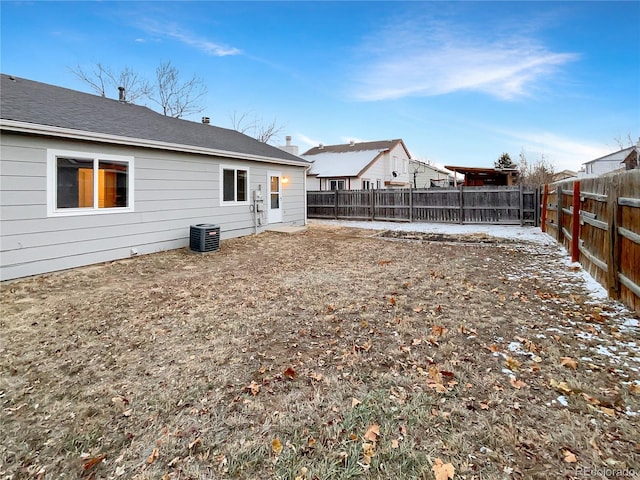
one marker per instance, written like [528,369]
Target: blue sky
[460,82]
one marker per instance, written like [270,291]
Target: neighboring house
[620,160]
[563,175]
[478,176]
[359,166]
[86,179]
[423,175]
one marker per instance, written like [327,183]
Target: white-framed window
[404,165]
[378,184]
[337,184]
[366,184]
[234,182]
[83,183]
[394,164]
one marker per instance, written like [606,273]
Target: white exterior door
[274,197]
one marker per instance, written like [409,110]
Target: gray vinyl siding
[172,190]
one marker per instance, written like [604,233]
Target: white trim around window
[234,185]
[88,183]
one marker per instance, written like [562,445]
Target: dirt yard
[331,354]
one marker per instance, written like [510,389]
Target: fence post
[613,250]
[461,201]
[410,204]
[522,204]
[372,203]
[543,219]
[575,223]
[559,214]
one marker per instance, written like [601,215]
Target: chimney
[292,149]
[206,120]
[321,146]
[121,96]
[352,143]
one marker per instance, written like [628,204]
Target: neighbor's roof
[481,170]
[36,107]
[618,156]
[348,160]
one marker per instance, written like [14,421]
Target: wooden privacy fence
[598,221]
[494,205]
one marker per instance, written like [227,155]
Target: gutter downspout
[304,183]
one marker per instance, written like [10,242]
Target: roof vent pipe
[288,139]
[121,96]
[206,120]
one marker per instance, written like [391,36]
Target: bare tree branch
[535,174]
[95,79]
[175,97]
[255,127]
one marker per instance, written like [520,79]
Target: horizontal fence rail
[491,205]
[598,221]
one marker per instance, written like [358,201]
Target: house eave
[48,130]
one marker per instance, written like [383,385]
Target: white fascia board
[35,129]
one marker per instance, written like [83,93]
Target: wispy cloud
[206,46]
[563,152]
[436,59]
[353,139]
[308,140]
[190,39]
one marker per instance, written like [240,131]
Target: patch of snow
[585,336]
[630,324]
[516,347]
[510,232]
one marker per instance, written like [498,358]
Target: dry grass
[273,358]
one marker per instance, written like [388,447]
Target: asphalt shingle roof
[345,148]
[38,103]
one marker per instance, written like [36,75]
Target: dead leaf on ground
[569,362]
[354,402]
[373,432]
[89,463]
[569,456]
[253,388]
[512,363]
[290,373]
[276,446]
[438,330]
[368,452]
[608,411]
[560,386]
[153,457]
[443,471]
[515,383]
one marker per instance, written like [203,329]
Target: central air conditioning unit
[204,238]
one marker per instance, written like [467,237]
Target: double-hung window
[235,184]
[81,183]
[336,184]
